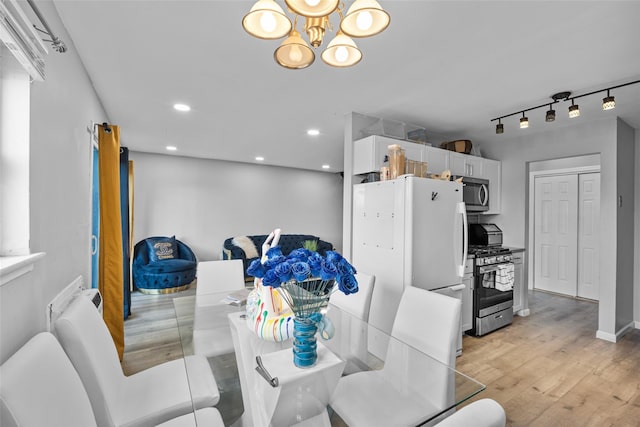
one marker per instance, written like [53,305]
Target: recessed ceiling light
[259,158]
[326,166]
[313,132]
[171,148]
[181,107]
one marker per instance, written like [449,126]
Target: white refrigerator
[409,231]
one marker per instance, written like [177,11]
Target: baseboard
[618,335]
[637,324]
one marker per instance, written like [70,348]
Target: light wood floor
[547,369]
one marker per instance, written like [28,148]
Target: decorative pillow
[161,248]
[311,245]
[246,244]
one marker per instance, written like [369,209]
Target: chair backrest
[88,343]
[428,322]
[39,387]
[425,323]
[217,276]
[356,304]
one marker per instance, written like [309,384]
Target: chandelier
[267,20]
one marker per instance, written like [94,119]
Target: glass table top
[425,387]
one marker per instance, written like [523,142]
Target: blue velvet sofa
[163,265]
[248,248]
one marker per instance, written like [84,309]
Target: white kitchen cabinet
[465,165]
[492,170]
[519,290]
[437,159]
[369,153]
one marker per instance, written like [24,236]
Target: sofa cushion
[162,248]
[168,266]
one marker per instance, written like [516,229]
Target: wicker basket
[459,146]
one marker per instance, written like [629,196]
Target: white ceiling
[449,66]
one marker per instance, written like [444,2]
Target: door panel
[555,234]
[589,236]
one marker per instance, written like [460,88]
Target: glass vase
[304,342]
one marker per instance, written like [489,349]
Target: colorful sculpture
[267,314]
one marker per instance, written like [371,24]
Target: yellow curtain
[110,279]
[130,224]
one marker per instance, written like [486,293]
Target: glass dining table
[260,386]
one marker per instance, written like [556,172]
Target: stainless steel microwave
[475,194]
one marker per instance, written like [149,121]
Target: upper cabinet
[370,153]
[437,159]
[465,165]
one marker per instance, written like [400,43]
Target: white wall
[519,148]
[625,220]
[61,108]
[203,202]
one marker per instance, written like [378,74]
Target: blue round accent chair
[163,265]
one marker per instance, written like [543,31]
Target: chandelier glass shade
[365,18]
[294,52]
[267,20]
[312,8]
[341,52]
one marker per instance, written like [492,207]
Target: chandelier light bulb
[312,3]
[364,21]
[268,21]
[295,54]
[524,121]
[342,54]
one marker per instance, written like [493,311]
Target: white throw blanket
[246,244]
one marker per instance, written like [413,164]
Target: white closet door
[556,234]
[589,236]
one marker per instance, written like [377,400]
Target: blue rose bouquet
[307,279]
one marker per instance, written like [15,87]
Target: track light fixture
[551,114]
[608,103]
[574,110]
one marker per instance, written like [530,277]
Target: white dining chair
[356,304]
[211,331]
[219,276]
[401,392]
[481,413]
[149,397]
[40,387]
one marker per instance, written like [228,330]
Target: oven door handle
[488,269]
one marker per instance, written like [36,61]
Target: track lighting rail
[564,96]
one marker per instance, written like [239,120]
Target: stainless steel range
[493,279]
